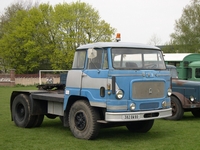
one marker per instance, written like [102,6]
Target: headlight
[119,94]
[169,92]
[191,98]
[132,106]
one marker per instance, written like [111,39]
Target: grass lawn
[165,134]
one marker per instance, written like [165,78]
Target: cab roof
[117,44]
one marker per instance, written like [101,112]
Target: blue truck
[185,96]
[110,84]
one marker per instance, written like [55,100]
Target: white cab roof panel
[117,44]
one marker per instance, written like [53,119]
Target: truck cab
[110,84]
[185,96]
[193,72]
[126,82]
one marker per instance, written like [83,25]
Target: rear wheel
[83,120]
[140,126]
[21,111]
[38,120]
[177,110]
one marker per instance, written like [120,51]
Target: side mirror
[92,53]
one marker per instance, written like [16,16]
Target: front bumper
[137,116]
[188,106]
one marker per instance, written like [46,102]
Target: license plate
[130,117]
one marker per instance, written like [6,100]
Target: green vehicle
[187,64]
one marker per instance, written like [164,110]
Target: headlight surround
[119,94]
[169,92]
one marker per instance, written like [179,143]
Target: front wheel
[83,120]
[140,126]
[177,110]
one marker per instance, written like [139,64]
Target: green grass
[165,135]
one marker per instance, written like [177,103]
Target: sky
[136,20]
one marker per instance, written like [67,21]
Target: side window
[79,59]
[105,60]
[185,63]
[197,72]
[189,73]
[99,62]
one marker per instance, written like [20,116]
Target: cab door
[95,77]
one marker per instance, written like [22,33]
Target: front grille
[146,90]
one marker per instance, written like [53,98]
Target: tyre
[83,120]
[38,120]
[196,113]
[140,126]
[21,112]
[177,110]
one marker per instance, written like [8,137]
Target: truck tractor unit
[110,84]
[185,96]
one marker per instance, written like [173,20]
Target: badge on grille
[150,91]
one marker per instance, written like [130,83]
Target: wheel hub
[80,121]
[174,109]
[20,111]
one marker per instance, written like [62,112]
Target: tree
[23,44]
[5,28]
[154,40]
[77,23]
[46,37]
[186,37]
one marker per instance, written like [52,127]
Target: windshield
[130,58]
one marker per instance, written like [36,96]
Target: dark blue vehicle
[185,96]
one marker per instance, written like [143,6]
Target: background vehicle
[187,65]
[185,96]
[111,83]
